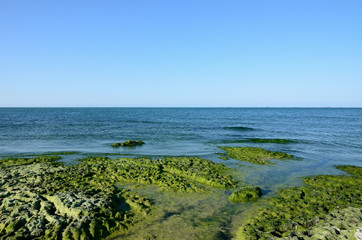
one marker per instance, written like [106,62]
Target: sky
[185,53]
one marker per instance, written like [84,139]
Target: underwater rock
[246,194]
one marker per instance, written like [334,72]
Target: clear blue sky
[303,53]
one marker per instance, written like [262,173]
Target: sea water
[322,138]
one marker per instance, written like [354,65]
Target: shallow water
[322,139]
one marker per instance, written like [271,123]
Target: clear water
[324,137]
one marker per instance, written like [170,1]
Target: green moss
[175,174]
[254,155]
[357,171]
[263,140]
[300,211]
[46,200]
[245,194]
[131,143]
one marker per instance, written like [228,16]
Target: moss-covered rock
[307,211]
[116,145]
[254,155]
[339,224]
[11,162]
[132,143]
[129,143]
[175,174]
[43,199]
[246,194]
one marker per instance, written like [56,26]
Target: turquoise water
[322,138]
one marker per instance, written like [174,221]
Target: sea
[321,138]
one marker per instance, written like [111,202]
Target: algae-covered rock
[43,199]
[132,143]
[129,143]
[11,162]
[246,194]
[326,207]
[116,145]
[339,224]
[176,174]
[254,155]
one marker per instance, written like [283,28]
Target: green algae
[254,154]
[245,194]
[305,212]
[265,140]
[183,174]
[357,171]
[44,199]
[339,224]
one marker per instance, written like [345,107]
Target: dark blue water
[323,137]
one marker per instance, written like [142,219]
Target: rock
[246,194]
[116,145]
[131,143]
[358,234]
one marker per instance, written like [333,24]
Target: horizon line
[170,107]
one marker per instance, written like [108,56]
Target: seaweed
[254,155]
[302,211]
[245,194]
